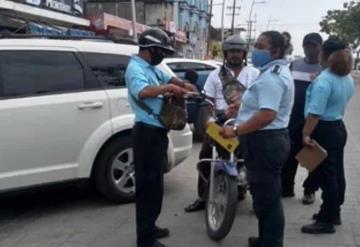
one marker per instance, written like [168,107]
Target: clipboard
[311,157]
[213,131]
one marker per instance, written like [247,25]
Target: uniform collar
[141,61]
[272,63]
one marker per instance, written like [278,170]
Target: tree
[345,24]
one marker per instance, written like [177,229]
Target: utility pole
[250,19]
[133,17]
[233,17]
[209,26]
[222,21]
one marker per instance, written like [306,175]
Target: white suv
[64,116]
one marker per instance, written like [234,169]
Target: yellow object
[213,131]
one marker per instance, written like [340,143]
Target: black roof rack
[8,35]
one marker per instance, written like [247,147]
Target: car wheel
[114,173]
[199,125]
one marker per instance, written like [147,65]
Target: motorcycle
[227,184]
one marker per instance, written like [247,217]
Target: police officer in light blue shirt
[262,126]
[146,84]
[326,101]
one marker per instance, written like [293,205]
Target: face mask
[156,57]
[260,57]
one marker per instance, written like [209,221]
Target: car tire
[114,173]
[199,125]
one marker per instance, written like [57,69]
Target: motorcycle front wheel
[220,214]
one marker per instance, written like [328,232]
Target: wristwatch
[235,129]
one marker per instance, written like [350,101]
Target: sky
[298,17]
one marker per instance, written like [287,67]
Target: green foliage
[344,23]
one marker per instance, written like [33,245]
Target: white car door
[47,114]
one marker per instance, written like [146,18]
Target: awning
[28,12]
[40,29]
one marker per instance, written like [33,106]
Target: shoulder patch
[276,69]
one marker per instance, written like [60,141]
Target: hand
[178,91]
[190,87]
[227,132]
[307,141]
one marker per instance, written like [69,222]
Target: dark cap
[314,38]
[333,44]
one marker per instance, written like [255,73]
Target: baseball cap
[333,44]
[314,38]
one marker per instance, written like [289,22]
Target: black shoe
[336,222]
[155,244]
[161,232]
[309,198]
[195,206]
[288,194]
[318,228]
[254,242]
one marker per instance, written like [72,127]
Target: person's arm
[168,79]
[319,91]
[139,86]
[258,121]
[154,91]
[184,84]
[310,124]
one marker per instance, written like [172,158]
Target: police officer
[234,66]
[146,83]
[261,125]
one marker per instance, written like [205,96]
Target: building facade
[193,19]
[187,21]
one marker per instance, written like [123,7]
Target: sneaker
[161,232]
[308,198]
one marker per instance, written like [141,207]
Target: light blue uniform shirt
[140,74]
[328,95]
[273,90]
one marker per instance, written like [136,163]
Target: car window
[24,73]
[183,66]
[109,69]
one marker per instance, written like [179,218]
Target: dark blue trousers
[150,149]
[265,153]
[332,136]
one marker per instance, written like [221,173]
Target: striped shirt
[303,73]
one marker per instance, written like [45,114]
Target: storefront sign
[33,2]
[58,5]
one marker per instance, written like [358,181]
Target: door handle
[90,105]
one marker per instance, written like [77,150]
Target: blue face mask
[260,57]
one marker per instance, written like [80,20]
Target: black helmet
[155,37]
[234,42]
